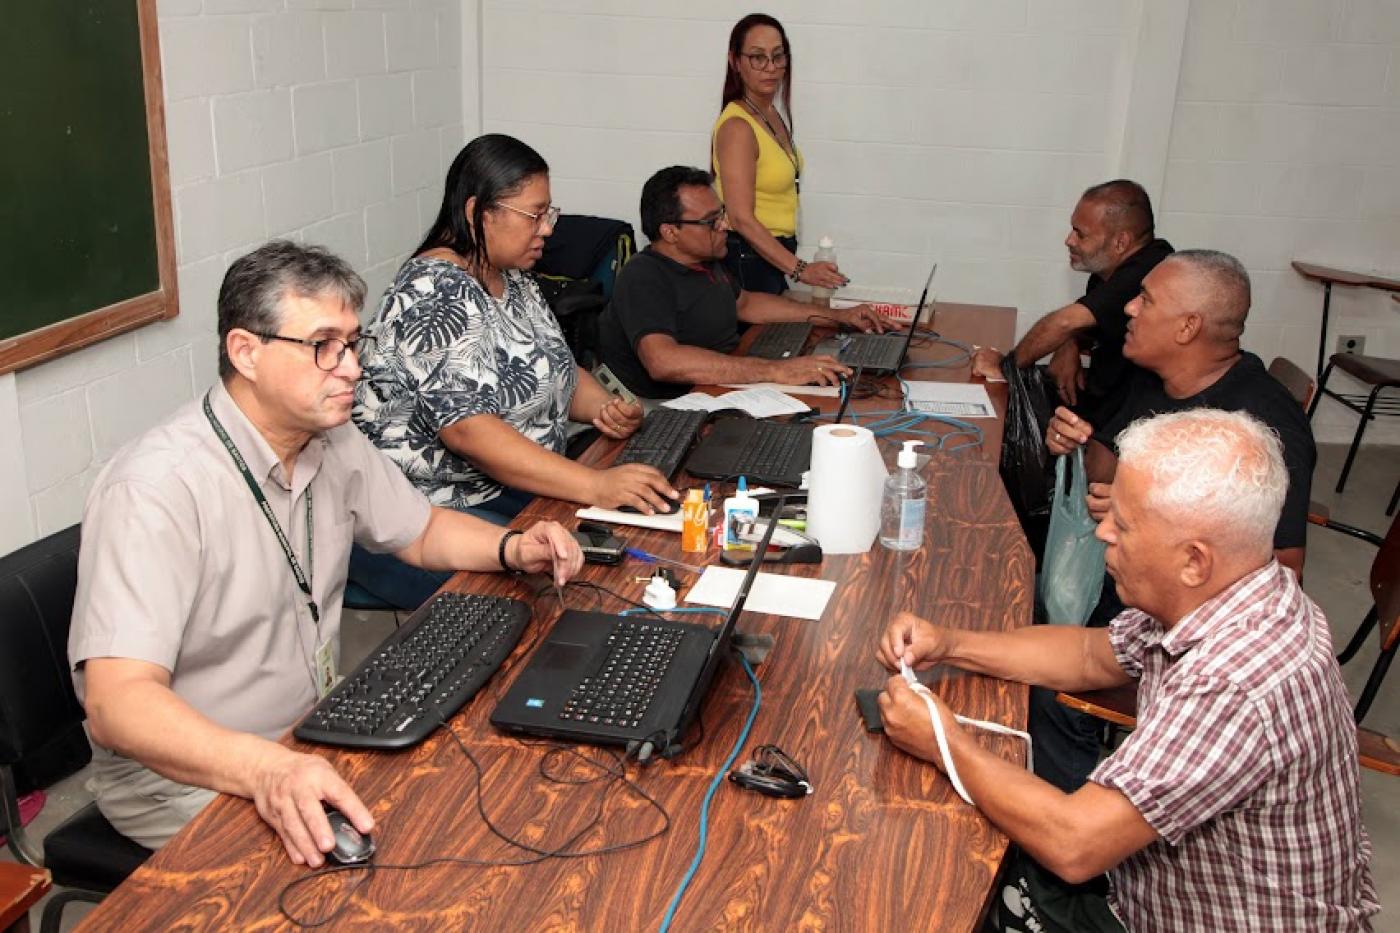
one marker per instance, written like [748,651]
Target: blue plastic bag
[1071,575]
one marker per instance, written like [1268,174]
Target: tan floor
[1337,572]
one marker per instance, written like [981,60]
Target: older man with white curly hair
[1234,803]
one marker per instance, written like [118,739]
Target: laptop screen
[720,647]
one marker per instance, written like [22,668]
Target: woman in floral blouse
[468,384]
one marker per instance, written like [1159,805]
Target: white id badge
[325,669]
[613,384]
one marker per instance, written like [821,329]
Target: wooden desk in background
[1329,276]
[21,887]
[883,843]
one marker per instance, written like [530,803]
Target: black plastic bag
[1025,463]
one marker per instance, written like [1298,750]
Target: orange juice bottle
[695,524]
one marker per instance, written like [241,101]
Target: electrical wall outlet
[1351,343]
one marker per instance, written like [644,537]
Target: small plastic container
[695,523]
[904,502]
[739,507]
[826,252]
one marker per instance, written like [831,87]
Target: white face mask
[941,736]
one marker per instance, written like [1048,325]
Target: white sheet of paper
[670,522]
[954,399]
[819,391]
[758,402]
[773,593]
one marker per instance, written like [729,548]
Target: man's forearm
[762,308]
[1051,332]
[687,365]
[1069,834]
[455,541]
[151,724]
[1059,657]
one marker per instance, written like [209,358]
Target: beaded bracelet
[501,551]
[796,273]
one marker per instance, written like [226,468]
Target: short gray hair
[1214,470]
[1222,285]
[251,295]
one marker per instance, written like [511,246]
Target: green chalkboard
[80,220]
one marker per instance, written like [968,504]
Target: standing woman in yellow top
[758,166]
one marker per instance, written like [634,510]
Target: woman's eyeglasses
[759,61]
[545,218]
[713,221]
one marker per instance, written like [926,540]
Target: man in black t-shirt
[675,312]
[1112,237]
[1183,333]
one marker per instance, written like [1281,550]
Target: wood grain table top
[21,887]
[882,843]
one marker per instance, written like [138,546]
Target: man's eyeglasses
[545,218]
[759,61]
[329,351]
[713,221]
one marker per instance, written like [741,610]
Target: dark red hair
[733,86]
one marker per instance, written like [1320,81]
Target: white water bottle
[902,508]
[826,252]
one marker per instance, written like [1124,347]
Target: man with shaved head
[1112,237]
[1234,804]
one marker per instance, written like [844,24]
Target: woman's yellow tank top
[775,178]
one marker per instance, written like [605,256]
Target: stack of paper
[757,402]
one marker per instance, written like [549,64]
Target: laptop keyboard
[423,673]
[774,449]
[873,352]
[663,440]
[622,688]
[780,341]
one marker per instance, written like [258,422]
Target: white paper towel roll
[844,487]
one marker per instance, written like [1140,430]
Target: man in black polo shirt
[1112,237]
[675,312]
[1183,334]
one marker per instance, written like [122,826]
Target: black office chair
[41,726]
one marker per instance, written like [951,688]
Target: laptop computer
[773,453]
[880,354]
[617,680]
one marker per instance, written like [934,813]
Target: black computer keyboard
[775,451]
[780,341]
[663,440]
[422,674]
[622,688]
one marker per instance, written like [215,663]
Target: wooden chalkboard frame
[46,343]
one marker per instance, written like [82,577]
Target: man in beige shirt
[201,632]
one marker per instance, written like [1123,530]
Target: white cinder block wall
[962,129]
[1286,144]
[958,130]
[327,121]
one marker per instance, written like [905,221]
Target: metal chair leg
[1359,638]
[1373,683]
[52,918]
[1321,390]
[1356,440]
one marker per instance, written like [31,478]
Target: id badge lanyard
[303,579]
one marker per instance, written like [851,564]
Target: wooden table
[1329,276]
[883,842]
[21,887]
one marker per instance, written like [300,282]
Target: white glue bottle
[740,507]
[826,252]
[902,507]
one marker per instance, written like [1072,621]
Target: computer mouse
[351,846]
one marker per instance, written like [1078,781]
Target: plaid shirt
[1244,761]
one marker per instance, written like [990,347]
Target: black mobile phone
[600,546]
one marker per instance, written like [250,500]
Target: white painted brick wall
[312,119]
[1286,145]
